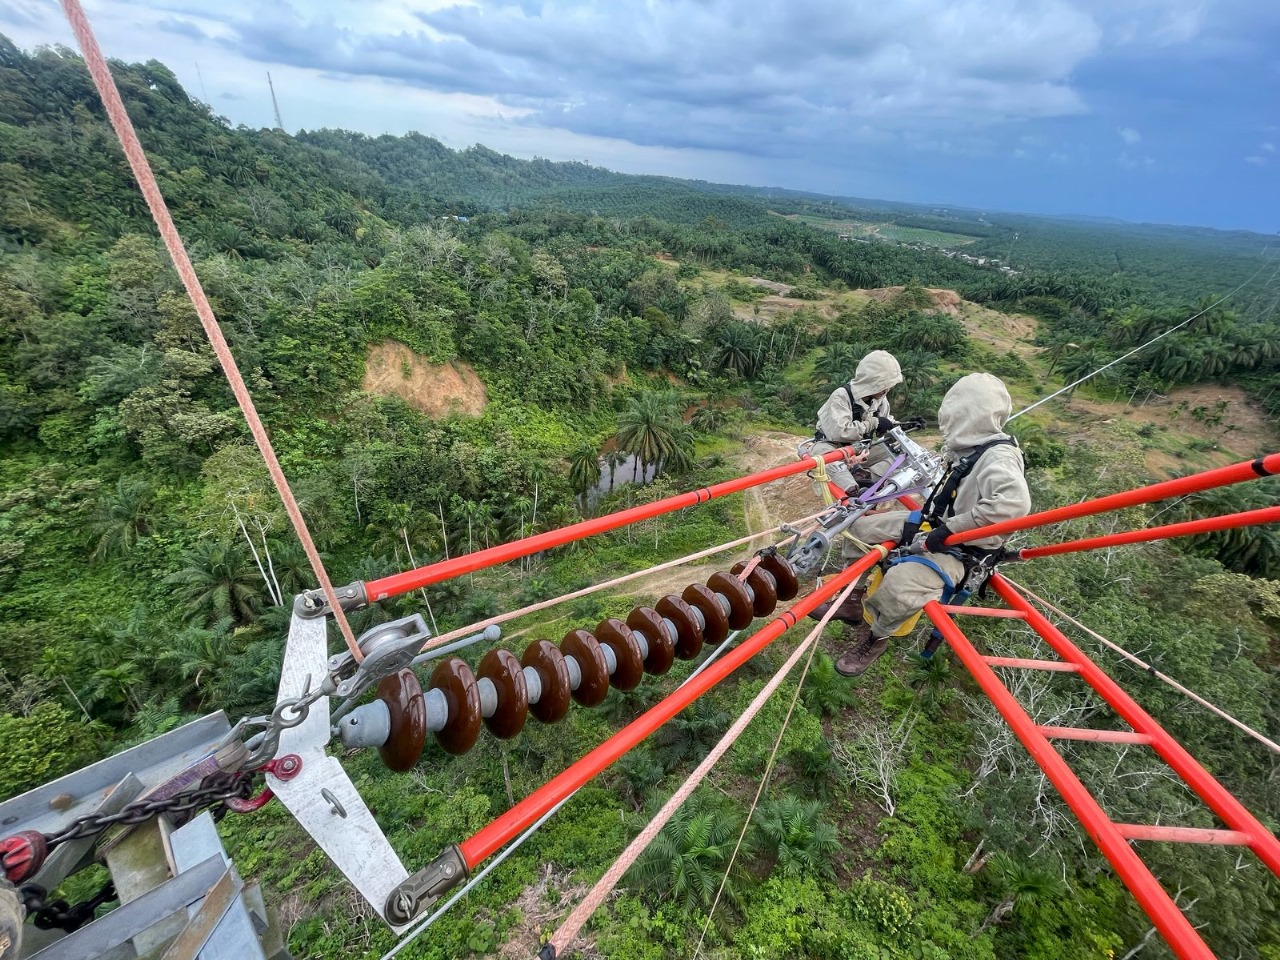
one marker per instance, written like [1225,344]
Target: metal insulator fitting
[420,891]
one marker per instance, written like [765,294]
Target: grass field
[885,231]
[935,238]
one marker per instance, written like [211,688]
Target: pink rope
[595,588]
[572,924]
[177,252]
[1146,666]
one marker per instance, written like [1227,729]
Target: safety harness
[979,563]
[854,406]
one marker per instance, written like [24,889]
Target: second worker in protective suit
[859,410]
[984,484]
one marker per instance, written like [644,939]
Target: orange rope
[182,263]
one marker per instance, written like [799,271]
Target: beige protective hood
[877,371]
[974,411]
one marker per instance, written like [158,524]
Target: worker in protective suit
[859,410]
[984,484]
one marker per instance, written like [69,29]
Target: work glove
[883,426]
[915,423]
[933,542]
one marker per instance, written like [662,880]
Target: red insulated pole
[1164,913]
[1215,795]
[399,583]
[1191,527]
[492,837]
[1223,476]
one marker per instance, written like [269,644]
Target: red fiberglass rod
[1191,527]
[487,842]
[1267,466]
[399,583]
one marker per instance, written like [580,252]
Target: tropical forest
[455,349]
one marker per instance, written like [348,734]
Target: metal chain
[288,713]
[211,790]
[61,915]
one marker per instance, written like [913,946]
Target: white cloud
[1269,147]
[1129,135]
[1256,160]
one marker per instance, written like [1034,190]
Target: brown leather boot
[850,611]
[866,651]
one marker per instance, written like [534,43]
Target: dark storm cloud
[751,76]
[183,28]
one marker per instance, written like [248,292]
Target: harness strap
[942,498]
[948,587]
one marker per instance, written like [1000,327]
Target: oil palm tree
[793,832]
[1021,881]
[122,518]
[647,428]
[584,468]
[688,859]
[217,581]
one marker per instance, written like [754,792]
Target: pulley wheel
[716,626]
[662,647]
[618,637]
[688,633]
[784,575]
[764,588]
[741,613]
[547,660]
[503,670]
[402,693]
[585,648]
[454,679]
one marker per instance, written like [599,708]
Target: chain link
[58,914]
[212,790]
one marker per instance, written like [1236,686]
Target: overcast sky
[1157,110]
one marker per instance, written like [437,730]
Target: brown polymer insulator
[715,624]
[697,616]
[547,660]
[735,591]
[454,679]
[662,646]
[764,589]
[784,575]
[586,650]
[502,668]
[402,694]
[688,629]
[619,638]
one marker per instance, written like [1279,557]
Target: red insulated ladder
[1112,838]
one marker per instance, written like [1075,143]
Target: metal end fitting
[312,603]
[424,888]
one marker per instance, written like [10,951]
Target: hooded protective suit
[973,412]
[840,422]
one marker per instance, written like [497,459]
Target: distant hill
[278,187]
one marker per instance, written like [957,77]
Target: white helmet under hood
[877,372]
[975,410]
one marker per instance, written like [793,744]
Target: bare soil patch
[944,301]
[774,308]
[781,289]
[436,389]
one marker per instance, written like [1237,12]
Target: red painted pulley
[23,854]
